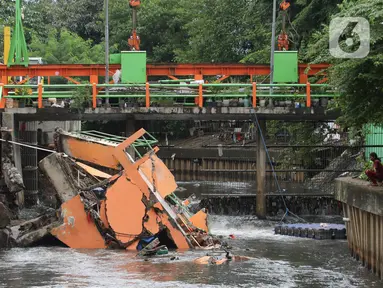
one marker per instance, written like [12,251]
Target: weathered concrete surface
[29,232]
[363,209]
[176,113]
[6,239]
[28,239]
[298,204]
[5,216]
[59,178]
[357,193]
[8,121]
[210,153]
[11,173]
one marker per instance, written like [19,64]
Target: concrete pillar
[8,121]
[27,133]
[261,172]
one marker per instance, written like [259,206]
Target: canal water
[276,261]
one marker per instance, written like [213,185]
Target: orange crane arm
[283,38]
[285,5]
[134,40]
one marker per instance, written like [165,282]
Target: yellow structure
[7,43]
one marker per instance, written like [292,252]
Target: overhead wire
[28,146]
[287,211]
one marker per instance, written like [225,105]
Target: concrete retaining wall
[363,212]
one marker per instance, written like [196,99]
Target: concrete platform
[177,113]
[363,215]
[359,194]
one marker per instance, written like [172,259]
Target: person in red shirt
[376,174]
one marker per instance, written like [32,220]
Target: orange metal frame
[169,70]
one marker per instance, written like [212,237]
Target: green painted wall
[133,67]
[374,136]
[286,67]
[115,58]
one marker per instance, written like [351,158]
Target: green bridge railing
[198,92]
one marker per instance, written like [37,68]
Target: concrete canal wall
[313,205]
[363,212]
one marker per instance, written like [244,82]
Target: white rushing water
[277,261]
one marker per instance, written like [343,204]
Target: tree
[82,17]
[7,13]
[225,31]
[358,80]
[161,27]
[66,48]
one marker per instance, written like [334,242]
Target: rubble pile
[12,194]
[134,209]
[345,162]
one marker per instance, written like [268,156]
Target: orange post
[254,94]
[40,96]
[4,81]
[308,94]
[303,78]
[2,95]
[200,96]
[147,95]
[94,94]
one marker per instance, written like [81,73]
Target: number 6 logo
[339,27]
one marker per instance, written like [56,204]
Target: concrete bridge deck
[176,113]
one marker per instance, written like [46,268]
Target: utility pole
[273,44]
[106,4]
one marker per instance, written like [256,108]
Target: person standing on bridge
[376,174]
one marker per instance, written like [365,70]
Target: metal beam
[82,70]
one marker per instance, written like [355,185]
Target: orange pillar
[199,99]
[147,98]
[254,94]
[94,82]
[200,96]
[303,78]
[4,81]
[40,96]
[308,94]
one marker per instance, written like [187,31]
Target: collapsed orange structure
[136,203]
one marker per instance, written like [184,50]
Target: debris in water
[212,260]
[135,209]
[315,231]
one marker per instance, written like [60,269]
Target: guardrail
[254,91]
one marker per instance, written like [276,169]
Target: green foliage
[212,31]
[358,80]
[366,166]
[226,31]
[67,48]
[82,98]
[301,133]
[163,28]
